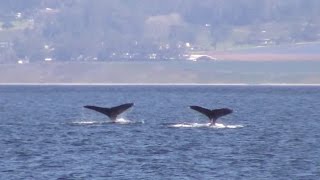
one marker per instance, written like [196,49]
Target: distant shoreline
[307,51]
[168,73]
[149,84]
[263,57]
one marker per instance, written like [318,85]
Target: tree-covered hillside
[153,29]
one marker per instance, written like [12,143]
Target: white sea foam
[92,122]
[87,122]
[206,125]
[123,121]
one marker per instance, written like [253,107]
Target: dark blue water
[45,133]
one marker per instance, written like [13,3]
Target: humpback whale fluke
[214,114]
[112,112]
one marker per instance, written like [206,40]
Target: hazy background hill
[79,30]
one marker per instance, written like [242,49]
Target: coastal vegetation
[79,30]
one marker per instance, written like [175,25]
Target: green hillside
[77,30]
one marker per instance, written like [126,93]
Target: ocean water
[273,133]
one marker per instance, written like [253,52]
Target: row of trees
[70,28]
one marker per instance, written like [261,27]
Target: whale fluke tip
[112,112]
[213,114]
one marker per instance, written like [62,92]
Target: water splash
[117,121]
[88,122]
[122,121]
[205,125]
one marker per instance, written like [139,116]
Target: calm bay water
[45,133]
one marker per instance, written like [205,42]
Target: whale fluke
[214,114]
[112,112]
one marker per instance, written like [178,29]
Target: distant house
[18,15]
[153,56]
[266,41]
[49,11]
[5,44]
[48,59]
[196,57]
[23,61]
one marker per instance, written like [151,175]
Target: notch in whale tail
[112,112]
[214,114]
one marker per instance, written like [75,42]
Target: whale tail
[112,112]
[214,114]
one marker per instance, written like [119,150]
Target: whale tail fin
[214,114]
[112,112]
